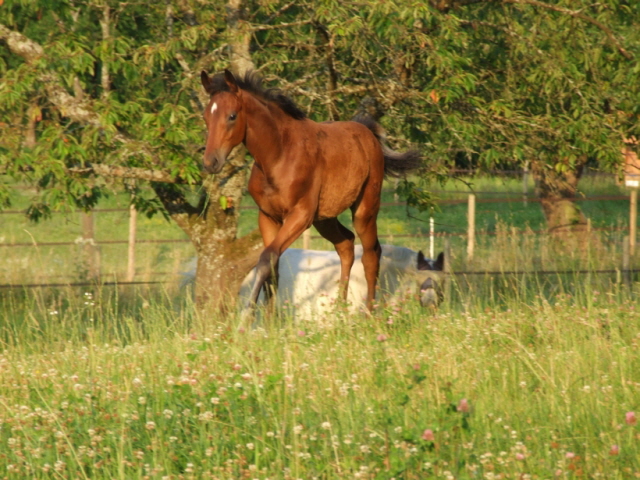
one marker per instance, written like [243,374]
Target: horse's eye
[232,117]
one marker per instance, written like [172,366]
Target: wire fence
[88,241]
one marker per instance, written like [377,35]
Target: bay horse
[304,173]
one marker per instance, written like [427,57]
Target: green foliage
[480,84]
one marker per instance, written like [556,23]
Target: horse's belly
[332,204]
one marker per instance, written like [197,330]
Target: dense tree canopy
[94,89]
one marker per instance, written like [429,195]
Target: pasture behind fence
[91,248]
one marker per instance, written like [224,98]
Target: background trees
[99,89]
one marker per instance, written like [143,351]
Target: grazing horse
[305,173]
[308,281]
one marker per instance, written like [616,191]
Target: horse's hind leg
[342,239]
[364,221]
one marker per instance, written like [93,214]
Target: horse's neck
[263,138]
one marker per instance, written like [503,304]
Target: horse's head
[225,118]
[431,291]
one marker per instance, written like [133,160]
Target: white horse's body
[308,280]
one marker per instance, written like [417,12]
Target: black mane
[252,83]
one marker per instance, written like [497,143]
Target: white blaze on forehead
[214,107]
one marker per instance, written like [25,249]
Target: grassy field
[519,376]
[96,385]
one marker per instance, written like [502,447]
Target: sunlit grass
[105,385]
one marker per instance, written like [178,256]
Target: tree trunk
[221,268]
[557,192]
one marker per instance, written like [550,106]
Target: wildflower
[570,455]
[142,400]
[615,450]
[630,418]
[382,337]
[428,435]
[519,456]
[326,425]
[150,426]
[215,400]
[250,446]
[301,333]
[463,406]
[270,434]
[297,429]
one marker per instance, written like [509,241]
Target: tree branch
[128,172]
[581,16]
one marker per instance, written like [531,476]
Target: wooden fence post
[131,254]
[306,239]
[432,239]
[633,221]
[626,262]
[91,253]
[471,227]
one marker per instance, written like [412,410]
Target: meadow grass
[519,375]
[108,384]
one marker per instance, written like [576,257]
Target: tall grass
[104,384]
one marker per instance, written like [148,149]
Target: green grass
[135,386]
[521,375]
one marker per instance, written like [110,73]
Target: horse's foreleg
[343,240]
[296,223]
[269,229]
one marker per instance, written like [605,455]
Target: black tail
[396,164]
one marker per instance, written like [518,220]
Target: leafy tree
[492,83]
[99,88]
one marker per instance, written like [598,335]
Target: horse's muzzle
[213,162]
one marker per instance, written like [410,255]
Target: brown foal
[305,173]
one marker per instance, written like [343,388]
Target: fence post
[626,262]
[131,254]
[306,239]
[633,221]
[471,229]
[91,253]
[432,240]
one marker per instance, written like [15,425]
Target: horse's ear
[439,264]
[423,264]
[206,81]
[231,81]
